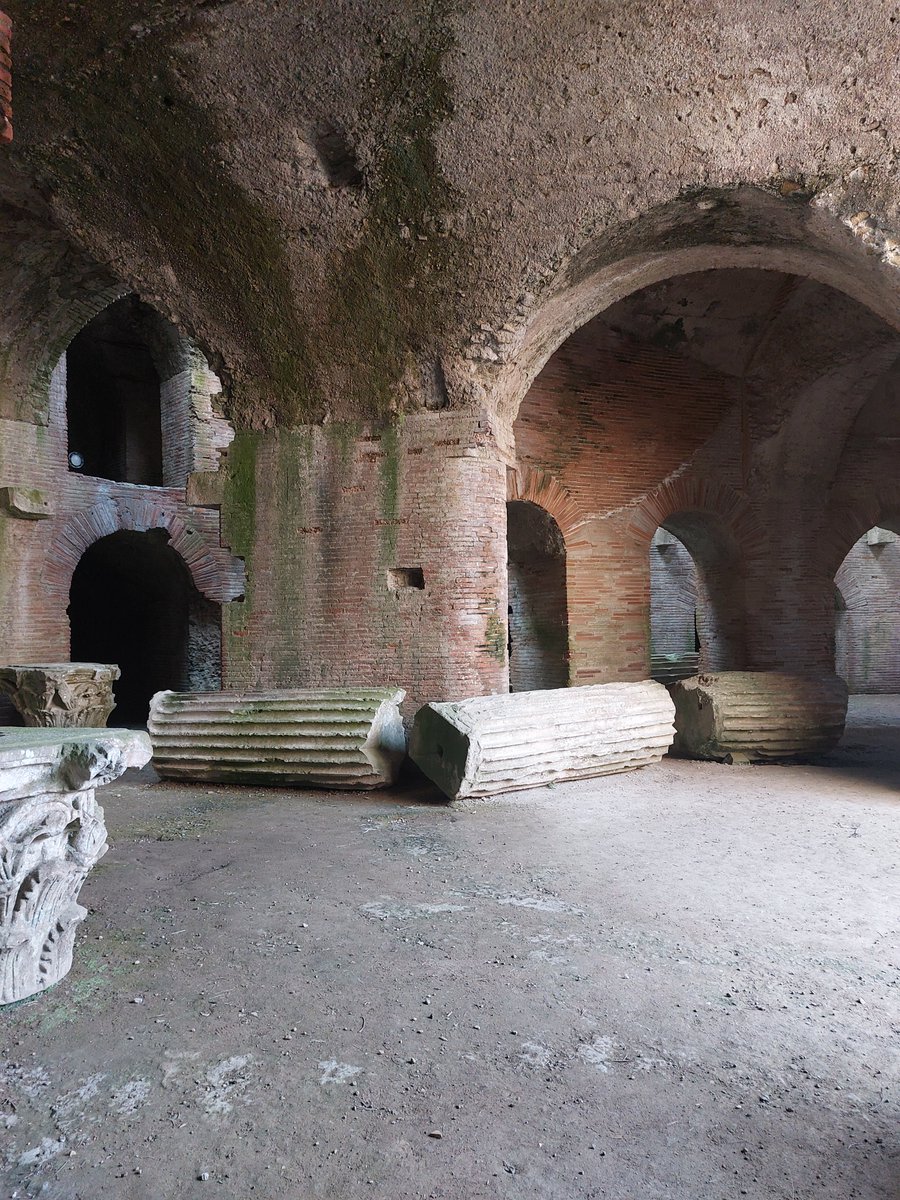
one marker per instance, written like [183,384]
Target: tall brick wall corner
[6,128]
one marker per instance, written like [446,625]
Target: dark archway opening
[113,397]
[675,620]
[133,602]
[696,598]
[538,608]
[867,614]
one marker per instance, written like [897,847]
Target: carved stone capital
[51,833]
[61,695]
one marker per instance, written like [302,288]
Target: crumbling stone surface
[747,716]
[61,695]
[427,178]
[6,129]
[51,833]
[332,738]
[528,739]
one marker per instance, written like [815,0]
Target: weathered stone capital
[61,695]
[51,833]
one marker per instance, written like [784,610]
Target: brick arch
[692,495]
[171,351]
[217,574]
[80,311]
[720,543]
[543,489]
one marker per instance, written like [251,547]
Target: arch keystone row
[193,534]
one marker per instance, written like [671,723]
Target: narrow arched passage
[113,396]
[133,602]
[867,619]
[711,602]
[538,610]
[674,617]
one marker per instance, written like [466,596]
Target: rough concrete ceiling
[331,197]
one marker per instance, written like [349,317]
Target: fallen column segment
[329,738]
[527,739]
[51,834]
[757,716]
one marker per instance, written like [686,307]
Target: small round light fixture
[76,460]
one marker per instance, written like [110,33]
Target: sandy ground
[681,982]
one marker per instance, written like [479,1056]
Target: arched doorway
[697,613]
[538,611]
[867,616]
[133,602]
[674,618]
[113,392]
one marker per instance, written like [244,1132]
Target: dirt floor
[681,982]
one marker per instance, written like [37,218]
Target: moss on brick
[389,497]
[239,533]
[495,637]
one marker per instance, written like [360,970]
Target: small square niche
[402,578]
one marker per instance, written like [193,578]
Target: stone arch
[744,227]
[193,534]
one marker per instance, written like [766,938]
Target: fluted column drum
[757,716]
[527,739]
[345,738]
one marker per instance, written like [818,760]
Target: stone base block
[504,743]
[51,834]
[329,738]
[757,716]
[61,695]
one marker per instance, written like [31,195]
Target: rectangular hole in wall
[405,577]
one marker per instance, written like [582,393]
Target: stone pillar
[51,834]
[764,716]
[61,695]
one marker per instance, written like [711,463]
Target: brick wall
[39,551]
[194,432]
[610,418]
[673,597]
[325,517]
